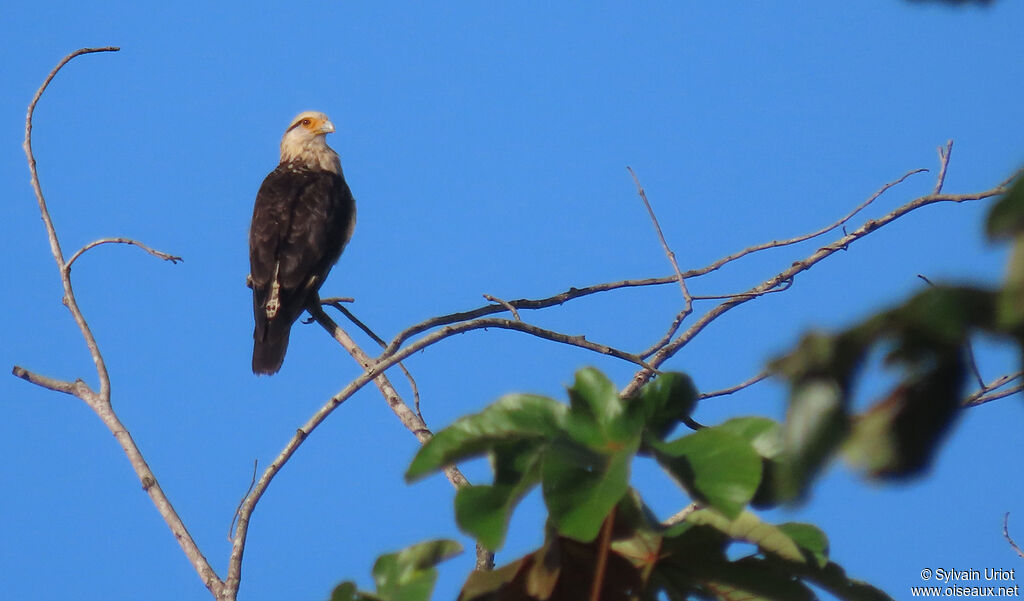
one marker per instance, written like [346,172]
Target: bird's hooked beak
[326,128]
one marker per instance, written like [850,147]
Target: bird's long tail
[270,343]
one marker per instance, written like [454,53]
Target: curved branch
[99,401]
[95,243]
[51,232]
[727,391]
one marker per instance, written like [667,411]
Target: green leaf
[715,466]
[347,591]
[1006,218]
[809,538]
[484,511]
[580,487]
[748,527]
[763,434]
[513,417]
[409,575]
[664,401]
[816,425]
[594,395]
[598,417]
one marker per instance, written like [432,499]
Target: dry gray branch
[687,299]
[94,244]
[842,243]
[99,401]
[336,302]
[732,389]
[413,421]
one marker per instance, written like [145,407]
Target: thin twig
[543,303]
[820,232]
[231,527]
[156,253]
[944,154]
[574,292]
[661,342]
[506,304]
[687,300]
[336,303]
[726,391]
[991,391]
[842,243]
[781,288]
[1006,533]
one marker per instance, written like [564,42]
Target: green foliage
[715,466]
[408,575]
[580,455]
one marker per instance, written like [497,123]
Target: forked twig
[336,302]
[842,243]
[99,401]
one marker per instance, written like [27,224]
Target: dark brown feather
[300,224]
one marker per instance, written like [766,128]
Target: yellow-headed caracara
[303,218]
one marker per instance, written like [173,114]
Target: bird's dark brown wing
[301,222]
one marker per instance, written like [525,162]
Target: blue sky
[487,148]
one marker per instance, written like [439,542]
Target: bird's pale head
[304,142]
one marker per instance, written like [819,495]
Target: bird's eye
[306,122]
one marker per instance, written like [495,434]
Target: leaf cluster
[602,541]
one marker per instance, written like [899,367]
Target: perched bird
[303,218]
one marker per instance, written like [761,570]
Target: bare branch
[51,232]
[672,329]
[234,518]
[336,303]
[943,163]
[687,299]
[991,391]
[155,253]
[551,301]
[1006,533]
[412,421]
[77,388]
[798,267]
[828,228]
[574,292]
[506,304]
[726,391]
[99,401]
